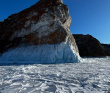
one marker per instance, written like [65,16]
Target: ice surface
[59,53]
[92,75]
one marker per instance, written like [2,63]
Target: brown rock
[45,24]
[89,46]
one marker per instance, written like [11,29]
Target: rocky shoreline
[90,47]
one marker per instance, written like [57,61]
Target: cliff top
[54,1]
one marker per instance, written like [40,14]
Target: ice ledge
[59,53]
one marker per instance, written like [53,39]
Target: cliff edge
[40,33]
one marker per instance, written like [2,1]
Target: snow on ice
[92,75]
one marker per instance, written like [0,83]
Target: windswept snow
[92,75]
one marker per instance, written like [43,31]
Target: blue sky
[88,16]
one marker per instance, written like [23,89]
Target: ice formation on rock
[40,33]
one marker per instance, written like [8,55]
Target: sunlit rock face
[40,33]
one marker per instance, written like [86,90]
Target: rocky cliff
[40,33]
[106,46]
[89,46]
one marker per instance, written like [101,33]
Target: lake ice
[92,75]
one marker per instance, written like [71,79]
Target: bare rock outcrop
[89,46]
[40,33]
[107,47]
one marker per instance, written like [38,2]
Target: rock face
[40,33]
[107,47]
[0,25]
[89,46]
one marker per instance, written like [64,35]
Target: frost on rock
[40,33]
[58,53]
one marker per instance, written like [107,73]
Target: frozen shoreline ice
[90,76]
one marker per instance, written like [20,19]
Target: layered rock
[89,46]
[40,33]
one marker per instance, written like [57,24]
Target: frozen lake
[90,76]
